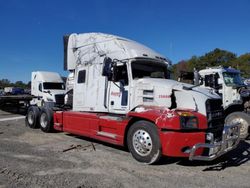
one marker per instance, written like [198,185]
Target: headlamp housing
[188,120]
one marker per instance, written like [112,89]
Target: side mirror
[220,81]
[110,70]
[107,68]
[196,78]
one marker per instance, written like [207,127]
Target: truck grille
[59,99]
[215,113]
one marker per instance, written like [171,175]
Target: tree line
[20,84]
[216,57]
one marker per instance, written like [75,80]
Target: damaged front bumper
[230,140]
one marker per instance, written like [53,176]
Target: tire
[46,120]
[148,148]
[32,117]
[241,117]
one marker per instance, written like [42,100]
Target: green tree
[5,83]
[20,84]
[242,63]
[216,57]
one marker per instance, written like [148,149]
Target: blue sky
[31,31]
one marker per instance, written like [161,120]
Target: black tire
[32,117]
[46,120]
[143,142]
[241,117]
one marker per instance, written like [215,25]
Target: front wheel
[244,121]
[144,142]
[46,120]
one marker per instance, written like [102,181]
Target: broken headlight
[188,120]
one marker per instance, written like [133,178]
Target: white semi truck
[122,95]
[227,82]
[48,88]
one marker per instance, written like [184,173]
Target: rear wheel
[144,142]
[32,117]
[244,121]
[46,120]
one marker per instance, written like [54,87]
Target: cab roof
[88,47]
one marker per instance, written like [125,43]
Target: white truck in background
[48,88]
[122,95]
[227,82]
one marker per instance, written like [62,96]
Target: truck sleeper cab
[125,98]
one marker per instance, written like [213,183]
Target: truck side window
[81,76]
[40,87]
[122,74]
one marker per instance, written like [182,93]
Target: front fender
[165,118]
[161,116]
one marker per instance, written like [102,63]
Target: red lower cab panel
[95,125]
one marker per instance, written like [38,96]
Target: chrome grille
[215,113]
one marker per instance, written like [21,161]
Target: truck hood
[185,98]
[179,86]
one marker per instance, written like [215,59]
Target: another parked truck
[47,87]
[228,83]
[122,95]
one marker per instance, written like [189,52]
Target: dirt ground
[31,158]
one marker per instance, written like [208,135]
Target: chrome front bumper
[230,140]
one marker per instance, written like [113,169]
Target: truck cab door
[119,91]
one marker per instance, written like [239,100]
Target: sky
[31,31]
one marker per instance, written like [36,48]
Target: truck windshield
[232,79]
[149,69]
[52,85]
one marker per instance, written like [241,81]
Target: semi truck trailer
[122,95]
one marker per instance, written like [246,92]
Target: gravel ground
[31,158]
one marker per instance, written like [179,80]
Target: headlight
[188,120]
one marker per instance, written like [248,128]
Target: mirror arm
[117,85]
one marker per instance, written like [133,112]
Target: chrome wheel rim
[142,142]
[243,123]
[43,120]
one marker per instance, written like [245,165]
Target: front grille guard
[230,140]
